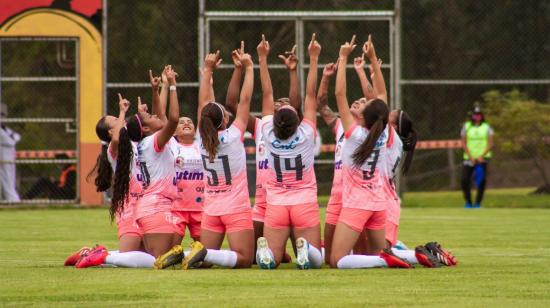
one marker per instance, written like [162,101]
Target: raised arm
[322,96]
[232,96]
[310,104]
[123,105]
[243,110]
[267,90]
[211,61]
[340,89]
[163,90]
[169,128]
[158,108]
[294,95]
[377,78]
[366,87]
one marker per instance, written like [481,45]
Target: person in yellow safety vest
[477,142]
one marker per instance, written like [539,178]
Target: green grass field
[504,261]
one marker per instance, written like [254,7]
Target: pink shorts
[258,212]
[128,227]
[189,219]
[227,223]
[333,212]
[391,232]
[161,222]
[299,216]
[359,219]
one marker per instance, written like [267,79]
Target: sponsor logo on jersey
[277,144]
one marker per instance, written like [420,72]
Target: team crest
[261,148]
[179,162]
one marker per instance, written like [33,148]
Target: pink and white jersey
[262,163]
[291,177]
[189,176]
[395,152]
[367,186]
[336,190]
[135,188]
[226,184]
[157,168]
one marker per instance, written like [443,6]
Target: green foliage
[521,124]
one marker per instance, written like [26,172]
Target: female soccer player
[226,205]
[153,132]
[189,179]
[366,191]
[291,185]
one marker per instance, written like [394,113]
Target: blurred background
[441,58]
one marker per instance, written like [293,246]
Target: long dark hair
[132,132]
[285,123]
[103,170]
[409,136]
[211,120]
[102,130]
[376,116]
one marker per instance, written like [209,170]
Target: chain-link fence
[446,56]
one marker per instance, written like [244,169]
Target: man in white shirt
[8,140]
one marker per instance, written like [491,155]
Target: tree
[521,128]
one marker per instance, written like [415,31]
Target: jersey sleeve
[350,131]
[267,124]
[235,133]
[310,127]
[156,145]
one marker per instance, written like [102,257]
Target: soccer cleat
[467,205]
[426,258]
[392,260]
[444,256]
[476,206]
[195,257]
[302,257]
[172,257]
[264,258]
[73,259]
[95,258]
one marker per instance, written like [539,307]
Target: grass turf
[504,261]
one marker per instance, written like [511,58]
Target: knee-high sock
[361,261]
[315,257]
[225,258]
[408,255]
[130,259]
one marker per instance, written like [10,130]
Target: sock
[130,259]
[315,257]
[226,258]
[405,254]
[361,261]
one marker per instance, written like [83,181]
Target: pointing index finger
[352,42]
[119,97]
[293,50]
[313,37]
[242,48]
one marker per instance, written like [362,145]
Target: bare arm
[378,79]
[123,105]
[158,107]
[322,96]
[294,96]
[366,87]
[310,104]
[205,86]
[243,110]
[265,79]
[232,97]
[169,128]
[340,90]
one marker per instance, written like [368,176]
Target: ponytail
[375,115]
[365,149]
[408,136]
[122,173]
[211,120]
[103,170]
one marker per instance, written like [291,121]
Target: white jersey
[291,178]
[336,190]
[262,163]
[226,183]
[189,176]
[157,168]
[395,153]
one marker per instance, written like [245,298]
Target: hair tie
[222,111]
[140,126]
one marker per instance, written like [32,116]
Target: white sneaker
[264,257]
[302,258]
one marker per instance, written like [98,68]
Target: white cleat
[302,258]
[264,257]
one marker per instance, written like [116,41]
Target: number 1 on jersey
[298,166]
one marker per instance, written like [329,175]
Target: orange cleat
[73,259]
[95,258]
[393,260]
